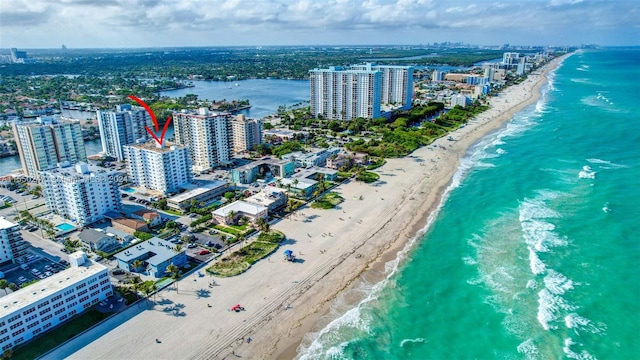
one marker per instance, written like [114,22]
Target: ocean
[534,251]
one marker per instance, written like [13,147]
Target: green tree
[4,284]
[136,264]
[174,271]
[13,286]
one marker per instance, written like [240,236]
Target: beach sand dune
[283,300]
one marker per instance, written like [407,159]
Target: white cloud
[224,22]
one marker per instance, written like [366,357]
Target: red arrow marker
[155,121]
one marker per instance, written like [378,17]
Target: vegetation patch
[241,260]
[367,177]
[327,201]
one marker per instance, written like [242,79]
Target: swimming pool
[129,190]
[65,227]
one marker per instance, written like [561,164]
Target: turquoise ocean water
[534,252]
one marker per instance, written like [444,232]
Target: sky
[166,23]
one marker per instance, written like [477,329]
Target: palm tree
[232,215]
[175,274]
[262,224]
[241,238]
[177,249]
[136,264]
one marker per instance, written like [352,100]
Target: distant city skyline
[169,23]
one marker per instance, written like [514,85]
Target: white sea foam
[557,283]
[537,266]
[468,260]
[549,305]
[412,341]
[528,349]
[577,322]
[532,284]
[314,344]
[500,151]
[606,208]
[604,164]
[587,173]
[583,355]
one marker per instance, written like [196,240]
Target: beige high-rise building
[208,136]
[247,133]
[44,143]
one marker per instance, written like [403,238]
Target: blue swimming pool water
[129,190]
[65,227]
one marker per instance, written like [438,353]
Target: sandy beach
[283,301]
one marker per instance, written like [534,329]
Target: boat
[237,84]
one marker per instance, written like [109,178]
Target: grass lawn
[327,201]
[368,177]
[227,230]
[241,260]
[62,333]
[173,212]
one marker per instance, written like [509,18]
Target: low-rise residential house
[301,187]
[152,218]
[98,240]
[121,236]
[203,192]
[154,256]
[230,214]
[272,198]
[341,159]
[129,225]
[313,158]
[248,173]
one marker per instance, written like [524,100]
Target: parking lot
[36,268]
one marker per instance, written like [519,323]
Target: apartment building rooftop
[44,288]
[156,249]
[198,189]
[6,224]
[156,147]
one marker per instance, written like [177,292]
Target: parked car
[64,262]
[24,267]
[35,197]
[41,276]
[192,245]
[47,267]
[132,198]
[117,272]
[22,279]
[64,250]
[35,271]
[48,273]
[204,252]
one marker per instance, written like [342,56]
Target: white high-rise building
[122,127]
[396,86]
[44,143]
[160,168]
[208,136]
[12,246]
[42,306]
[247,133]
[510,58]
[82,193]
[342,94]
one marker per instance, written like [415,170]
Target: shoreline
[337,249]
[376,267]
